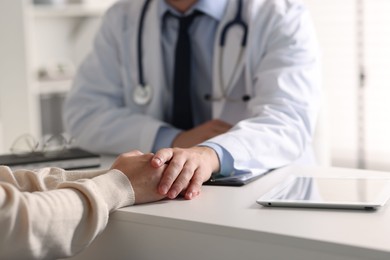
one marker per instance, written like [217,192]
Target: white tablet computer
[321,192]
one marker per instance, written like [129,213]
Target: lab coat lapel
[231,67]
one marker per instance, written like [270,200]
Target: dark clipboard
[68,159]
[235,180]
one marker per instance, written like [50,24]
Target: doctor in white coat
[255,104]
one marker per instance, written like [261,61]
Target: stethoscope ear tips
[246,98]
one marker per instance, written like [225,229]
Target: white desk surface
[227,223]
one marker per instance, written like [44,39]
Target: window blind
[354,34]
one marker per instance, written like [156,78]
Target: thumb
[161,157]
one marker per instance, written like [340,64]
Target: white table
[226,223]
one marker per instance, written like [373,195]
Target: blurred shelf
[69,10]
[50,87]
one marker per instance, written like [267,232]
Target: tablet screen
[329,192]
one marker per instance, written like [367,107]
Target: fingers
[186,170]
[161,157]
[189,180]
[177,166]
[195,186]
[177,176]
[179,172]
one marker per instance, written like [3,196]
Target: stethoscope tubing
[139,43]
[236,21]
[143,92]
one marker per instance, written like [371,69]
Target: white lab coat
[280,68]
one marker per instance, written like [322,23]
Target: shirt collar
[212,8]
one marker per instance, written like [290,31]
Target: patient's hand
[143,177]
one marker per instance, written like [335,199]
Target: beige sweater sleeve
[51,213]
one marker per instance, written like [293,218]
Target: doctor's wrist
[226,161]
[211,156]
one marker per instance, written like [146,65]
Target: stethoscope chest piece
[143,94]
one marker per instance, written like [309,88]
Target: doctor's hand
[143,177]
[187,170]
[201,133]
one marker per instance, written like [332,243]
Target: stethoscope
[143,93]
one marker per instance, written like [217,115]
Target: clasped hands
[173,171]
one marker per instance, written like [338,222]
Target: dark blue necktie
[182,116]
